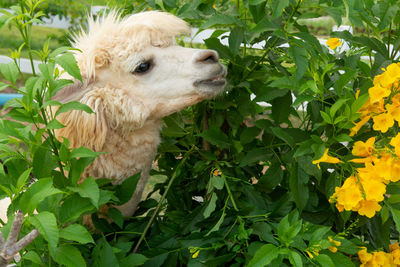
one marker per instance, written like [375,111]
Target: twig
[9,248]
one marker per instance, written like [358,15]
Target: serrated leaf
[134,259]
[76,232]
[74,105]
[264,256]
[216,137]
[88,189]
[73,207]
[9,71]
[281,134]
[33,257]
[37,193]
[46,224]
[83,152]
[326,117]
[125,190]
[68,62]
[23,178]
[69,256]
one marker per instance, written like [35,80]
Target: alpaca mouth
[215,81]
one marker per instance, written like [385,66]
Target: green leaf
[281,134]
[116,216]
[298,186]
[73,207]
[277,7]
[254,156]
[83,152]
[88,189]
[105,255]
[295,259]
[23,178]
[336,106]
[217,182]
[125,190]
[46,224]
[9,71]
[68,62]
[324,260]
[216,137]
[77,168]
[76,232]
[134,259]
[54,124]
[36,193]
[33,257]
[299,55]
[326,117]
[43,162]
[74,105]
[264,256]
[217,225]
[281,107]
[211,206]
[221,19]
[69,256]
[236,38]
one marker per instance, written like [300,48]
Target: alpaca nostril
[207,57]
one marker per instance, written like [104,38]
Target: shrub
[241,187]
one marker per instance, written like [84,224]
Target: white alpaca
[135,75]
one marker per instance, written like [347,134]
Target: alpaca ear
[84,129]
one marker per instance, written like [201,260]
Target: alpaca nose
[206,56]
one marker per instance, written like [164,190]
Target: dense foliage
[240,186]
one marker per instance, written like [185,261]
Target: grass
[10,39]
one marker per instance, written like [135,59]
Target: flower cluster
[380,258]
[363,190]
[383,105]
[366,187]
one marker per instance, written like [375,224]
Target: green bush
[241,187]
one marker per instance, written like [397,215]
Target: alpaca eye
[143,67]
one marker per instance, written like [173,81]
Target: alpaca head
[137,57]
[134,72]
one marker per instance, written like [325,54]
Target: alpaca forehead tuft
[137,31]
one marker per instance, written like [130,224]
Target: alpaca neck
[127,153]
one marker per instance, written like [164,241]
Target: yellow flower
[358,125]
[333,249]
[394,110]
[378,92]
[394,246]
[361,149]
[327,159]
[309,254]
[349,195]
[391,75]
[395,142]
[369,208]
[217,172]
[333,43]
[196,254]
[383,122]
[364,256]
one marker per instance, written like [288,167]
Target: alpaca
[134,75]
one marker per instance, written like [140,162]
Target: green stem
[230,193]
[153,216]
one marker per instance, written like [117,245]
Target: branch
[9,248]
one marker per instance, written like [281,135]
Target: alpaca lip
[216,81]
